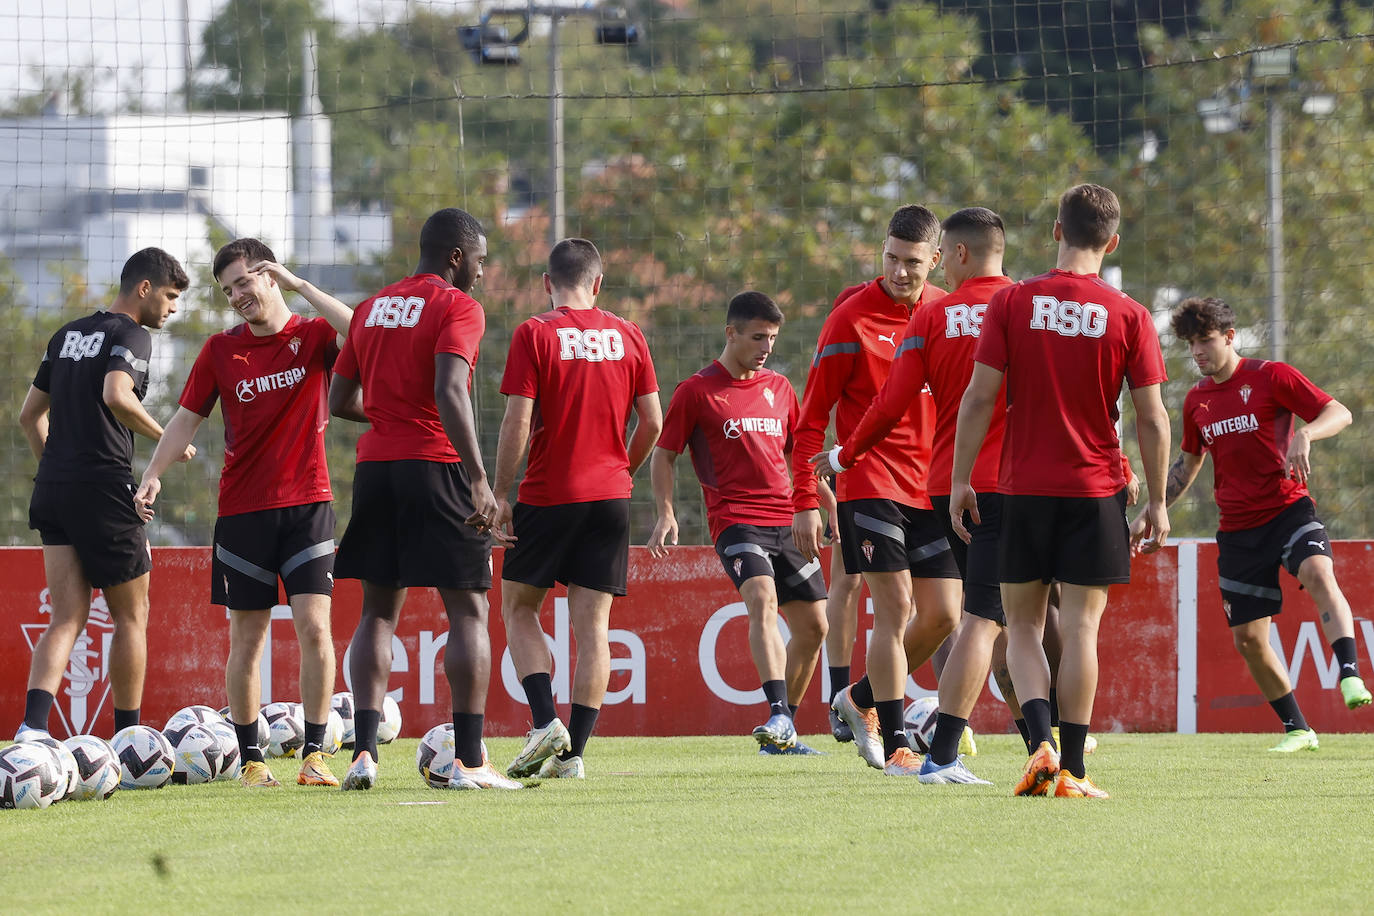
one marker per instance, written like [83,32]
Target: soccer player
[737,417]
[888,531]
[422,506]
[936,352]
[841,617]
[270,376]
[79,417]
[1064,342]
[573,376]
[1241,413]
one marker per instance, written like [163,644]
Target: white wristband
[834,455]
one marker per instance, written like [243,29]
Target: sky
[135,48]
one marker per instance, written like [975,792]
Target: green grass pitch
[1204,824]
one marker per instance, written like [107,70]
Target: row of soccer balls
[197,745]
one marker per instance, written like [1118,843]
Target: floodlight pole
[1274,147]
[557,194]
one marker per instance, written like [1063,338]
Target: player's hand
[1133,491]
[188,454]
[144,497]
[484,506]
[807,531]
[823,464]
[285,278]
[1297,463]
[501,522]
[664,533]
[1150,530]
[962,498]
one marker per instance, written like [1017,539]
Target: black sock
[365,722]
[776,694]
[1071,739]
[1345,655]
[539,693]
[862,694]
[1024,729]
[125,718]
[1037,713]
[467,737]
[37,705]
[839,680]
[891,724]
[581,724]
[792,711]
[1054,707]
[314,738]
[1286,707]
[248,742]
[944,747]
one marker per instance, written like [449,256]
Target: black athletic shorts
[1080,540]
[880,535]
[409,528]
[585,544]
[747,551]
[977,560]
[1248,561]
[98,519]
[253,548]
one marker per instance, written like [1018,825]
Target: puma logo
[1320,545]
[890,338]
[242,357]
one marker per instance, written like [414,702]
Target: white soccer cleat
[26,733]
[540,744]
[868,739]
[558,768]
[954,772]
[482,776]
[362,774]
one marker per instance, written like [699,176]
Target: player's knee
[1250,642]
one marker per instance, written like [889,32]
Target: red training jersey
[853,358]
[1246,423]
[583,368]
[392,341]
[273,394]
[936,354]
[1066,342]
[740,432]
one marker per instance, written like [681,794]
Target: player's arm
[511,443]
[903,385]
[451,373]
[118,395]
[175,445]
[648,425]
[1152,431]
[665,525]
[1333,418]
[33,419]
[346,399]
[331,310]
[975,414]
[830,370]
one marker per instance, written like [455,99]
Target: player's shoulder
[849,293]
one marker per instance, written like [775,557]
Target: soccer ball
[264,732]
[390,726]
[29,777]
[196,753]
[145,757]
[285,729]
[919,720]
[65,760]
[342,703]
[192,715]
[333,733]
[97,768]
[434,756]
[228,748]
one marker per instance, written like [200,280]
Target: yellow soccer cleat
[1066,785]
[1041,769]
[315,771]
[256,775]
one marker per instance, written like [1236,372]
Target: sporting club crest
[739,566]
[295,345]
[768,396]
[1245,393]
[86,682]
[867,548]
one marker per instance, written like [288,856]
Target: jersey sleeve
[202,386]
[1192,436]
[837,352]
[680,419]
[991,349]
[328,342]
[42,379]
[646,382]
[347,363]
[793,415]
[1145,365]
[903,385]
[130,348]
[1295,393]
[521,377]
[462,330]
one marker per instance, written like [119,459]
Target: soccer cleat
[1041,769]
[903,762]
[1066,785]
[839,728]
[1299,739]
[1353,691]
[967,746]
[954,772]
[777,731]
[796,750]
[315,771]
[540,744]
[362,774]
[485,776]
[558,768]
[863,724]
[27,733]
[256,775]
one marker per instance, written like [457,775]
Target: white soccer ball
[230,761]
[285,729]
[434,757]
[29,777]
[390,726]
[342,703]
[196,753]
[333,733]
[264,733]
[192,715]
[145,757]
[65,760]
[919,720]
[97,768]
